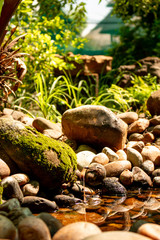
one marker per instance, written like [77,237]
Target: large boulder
[95,125]
[50,161]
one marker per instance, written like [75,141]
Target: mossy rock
[49,161]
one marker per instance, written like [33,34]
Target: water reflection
[115,212]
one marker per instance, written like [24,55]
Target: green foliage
[1,5]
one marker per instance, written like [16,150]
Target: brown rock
[134,157]
[153,103]
[148,166]
[86,124]
[42,124]
[150,230]
[150,153]
[155,120]
[126,177]
[138,126]
[148,137]
[156,130]
[140,177]
[128,117]
[122,155]
[4,169]
[137,145]
[7,228]
[100,158]
[114,169]
[76,231]
[31,188]
[21,178]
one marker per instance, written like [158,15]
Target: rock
[153,103]
[11,188]
[76,231]
[121,155]
[128,117]
[84,158]
[156,130]
[9,205]
[100,158]
[95,173]
[7,229]
[84,147]
[137,145]
[156,181]
[17,214]
[114,235]
[31,188]
[21,178]
[27,121]
[42,124]
[4,169]
[33,228]
[66,201]
[126,177]
[134,157]
[138,126]
[150,230]
[150,153]
[52,223]
[16,115]
[155,120]
[86,123]
[156,172]
[135,137]
[148,166]
[80,190]
[114,169]
[49,161]
[110,154]
[112,186]
[55,133]
[148,137]
[38,204]
[136,225]
[140,177]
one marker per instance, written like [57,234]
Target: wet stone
[33,228]
[11,188]
[113,186]
[10,205]
[38,204]
[156,172]
[31,188]
[150,153]
[148,137]
[7,228]
[95,173]
[66,201]
[155,120]
[79,189]
[52,223]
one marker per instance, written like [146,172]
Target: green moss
[35,146]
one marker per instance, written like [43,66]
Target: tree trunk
[8,9]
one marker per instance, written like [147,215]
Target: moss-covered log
[50,161]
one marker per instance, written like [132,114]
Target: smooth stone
[150,153]
[156,130]
[41,124]
[39,204]
[110,154]
[16,115]
[155,120]
[122,155]
[135,137]
[134,157]
[85,124]
[156,181]
[7,228]
[53,133]
[4,169]
[94,174]
[128,117]
[150,230]
[76,231]
[66,201]
[136,225]
[138,126]
[137,145]
[100,158]
[126,177]
[84,158]
[114,169]
[27,120]
[114,235]
[52,223]
[156,172]
[17,214]
[31,188]
[85,147]
[148,166]
[11,188]
[153,103]
[140,177]
[148,137]
[21,178]
[10,204]
[79,189]
[112,186]
[33,228]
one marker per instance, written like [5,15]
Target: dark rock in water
[51,162]
[52,223]
[38,204]
[17,214]
[10,205]
[66,201]
[112,186]
[95,173]
[11,188]
[95,125]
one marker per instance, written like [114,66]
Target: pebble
[79,189]
[126,177]
[84,158]
[137,145]
[110,154]
[114,169]
[7,228]
[150,230]
[31,188]
[134,157]
[150,153]
[21,178]
[148,166]
[113,186]
[148,137]
[76,231]
[128,117]
[17,214]
[141,178]
[100,158]
[39,204]
[122,155]
[66,201]
[41,124]
[10,205]
[135,137]
[138,126]
[4,169]
[156,130]
[155,120]
[156,181]
[55,133]
[94,174]
[33,228]
[156,172]
[114,235]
